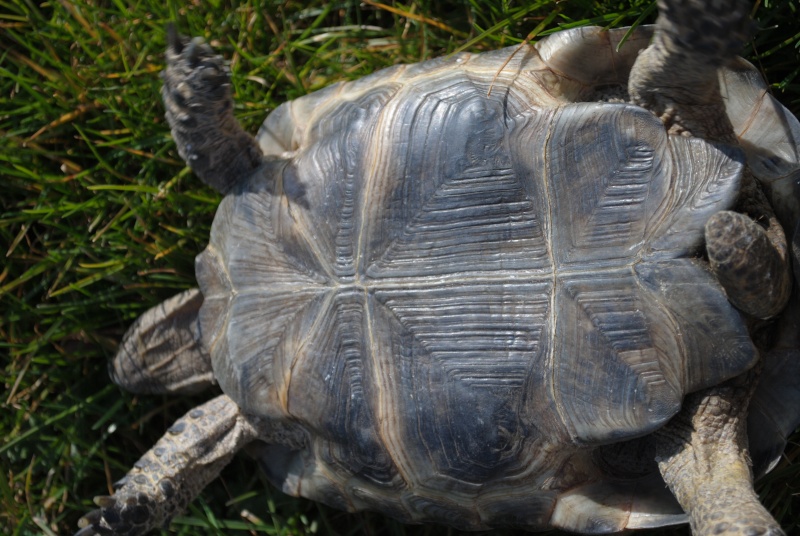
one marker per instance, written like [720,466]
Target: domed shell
[455,276]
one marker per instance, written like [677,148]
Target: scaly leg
[171,474]
[702,454]
[199,108]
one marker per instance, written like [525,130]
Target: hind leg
[171,474]
[703,456]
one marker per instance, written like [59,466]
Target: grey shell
[457,280]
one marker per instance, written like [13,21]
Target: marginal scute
[377,500]
[795,245]
[770,136]
[772,413]
[593,56]
[517,510]
[284,128]
[283,466]
[609,506]
[758,118]
[441,508]
[435,65]
[276,135]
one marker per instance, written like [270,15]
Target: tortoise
[488,290]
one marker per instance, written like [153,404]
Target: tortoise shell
[458,280]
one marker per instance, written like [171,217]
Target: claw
[105,501]
[88,523]
[92,518]
[175,41]
[86,531]
[196,51]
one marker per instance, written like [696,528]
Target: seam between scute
[212,256]
[551,357]
[380,379]
[300,221]
[323,311]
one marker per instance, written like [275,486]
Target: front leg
[199,108]
[676,77]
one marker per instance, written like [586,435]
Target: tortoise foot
[128,517]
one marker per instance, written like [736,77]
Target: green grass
[99,218]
